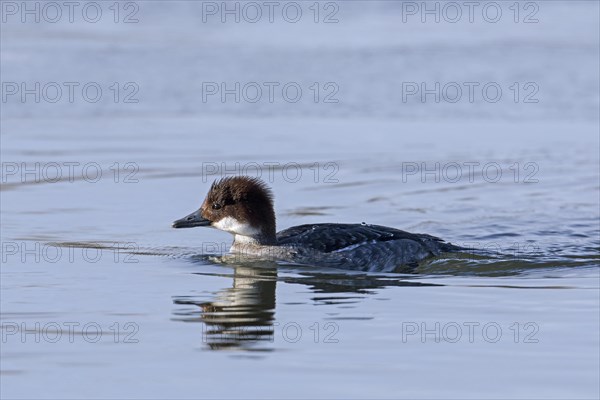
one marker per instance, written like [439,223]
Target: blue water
[100,298]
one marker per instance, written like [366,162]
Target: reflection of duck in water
[241,315]
[243,206]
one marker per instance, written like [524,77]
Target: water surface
[101,298]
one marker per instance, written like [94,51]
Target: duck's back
[362,246]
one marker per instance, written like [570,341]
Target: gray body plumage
[358,246]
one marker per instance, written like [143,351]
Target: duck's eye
[216,206]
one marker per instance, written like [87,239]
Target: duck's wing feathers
[329,238]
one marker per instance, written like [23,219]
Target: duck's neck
[262,239]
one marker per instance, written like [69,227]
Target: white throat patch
[232,225]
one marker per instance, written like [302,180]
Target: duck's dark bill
[191,221]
